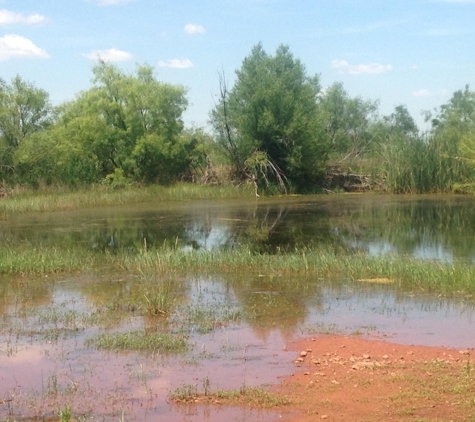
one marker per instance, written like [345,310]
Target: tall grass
[418,165]
[28,259]
[317,263]
[67,199]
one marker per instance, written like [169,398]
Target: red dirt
[353,379]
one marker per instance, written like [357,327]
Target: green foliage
[56,156]
[24,110]
[65,413]
[125,128]
[435,163]
[272,109]
[347,121]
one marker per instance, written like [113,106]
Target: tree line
[275,127]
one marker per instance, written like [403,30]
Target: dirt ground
[340,378]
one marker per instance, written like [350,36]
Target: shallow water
[44,321]
[438,226]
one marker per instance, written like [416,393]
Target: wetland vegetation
[178,303]
[275,130]
[140,269]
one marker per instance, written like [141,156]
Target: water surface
[44,321]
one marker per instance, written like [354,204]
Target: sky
[411,52]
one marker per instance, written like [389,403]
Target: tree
[347,121]
[401,121]
[268,121]
[24,110]
[125,127]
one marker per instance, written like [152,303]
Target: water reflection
[437,227]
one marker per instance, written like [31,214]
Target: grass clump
[139,341]
[253,396]
[249,396]
[65,413]
[207,318]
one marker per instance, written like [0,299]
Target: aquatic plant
[139,341]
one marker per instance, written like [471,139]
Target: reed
[417,165]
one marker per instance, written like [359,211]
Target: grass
[139,341]
[56,199]
[249,396]
[445,385]
[65,413]
[31,259]
[207,318]
[319,263]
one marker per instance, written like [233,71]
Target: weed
[157,296]
[65,413]
[251,396]
[185,394]
[206,386]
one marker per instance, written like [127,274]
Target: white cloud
[415,67]
[191,28]
[110,2]
[15,46]
[111,55]
[9,18]
[344,67]
[177,64]
[421,93]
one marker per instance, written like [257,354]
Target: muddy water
[44,322]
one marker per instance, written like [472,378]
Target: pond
[234,326]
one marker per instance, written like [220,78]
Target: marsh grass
[155,295]
[316,263]
[139,341]
[209,317]
[31,259]
[249,396]
[60,198]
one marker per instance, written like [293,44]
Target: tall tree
[271,114]
[347,121]
[24,110]
[127,127]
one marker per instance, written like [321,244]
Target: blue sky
[412,52]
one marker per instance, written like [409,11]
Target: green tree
[24,110]
[269,119]
[127,127]
[401,121]
[348,122]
